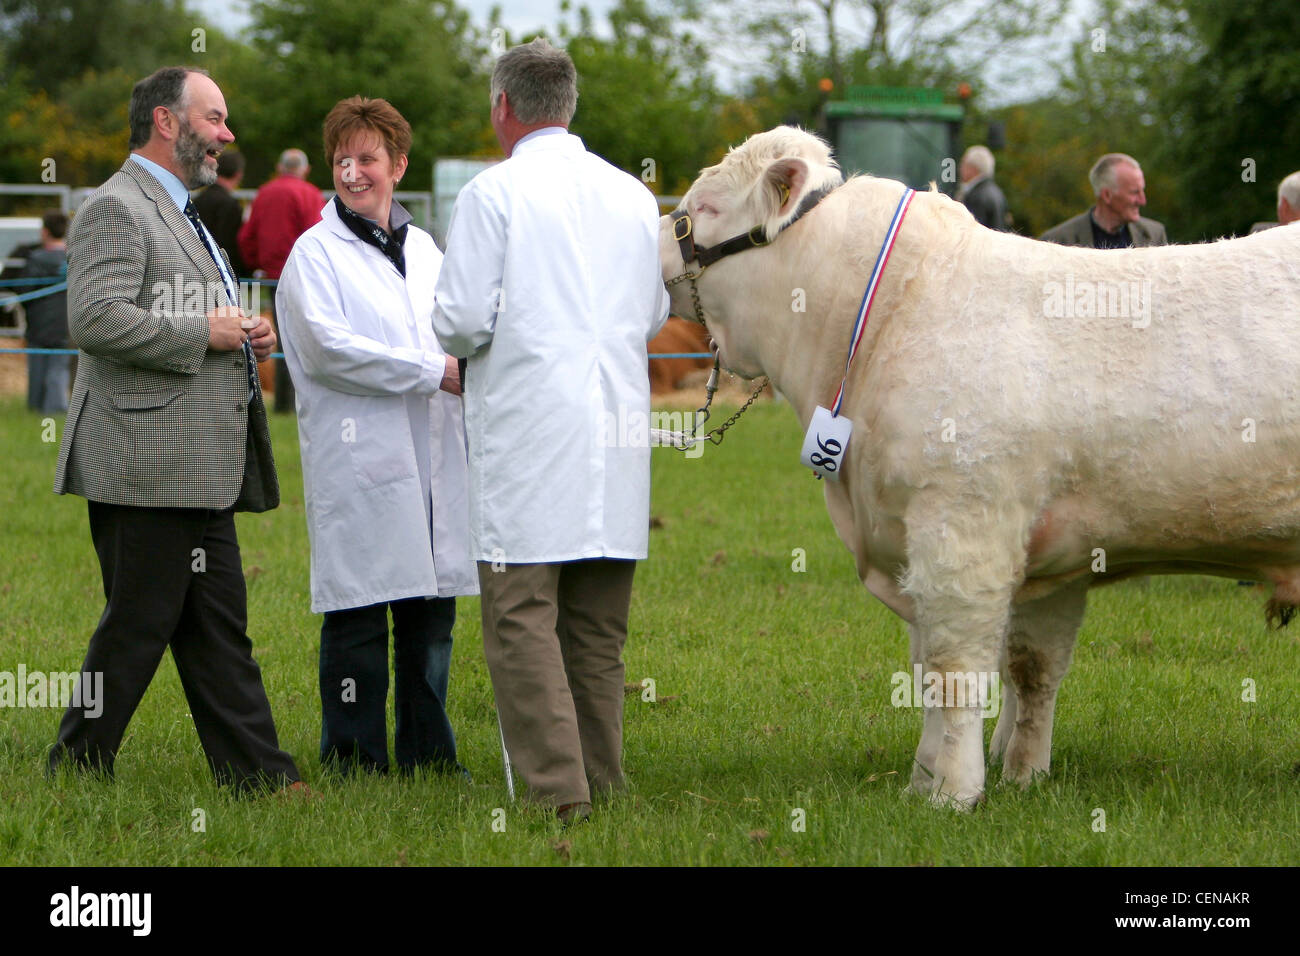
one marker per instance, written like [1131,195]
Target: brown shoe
[571,813]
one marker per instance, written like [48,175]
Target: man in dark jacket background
[978,190]
[47,319]
[221,211]
[1115,221]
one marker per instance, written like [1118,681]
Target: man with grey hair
[551,290]
[1288,204]
[282,210]
[978,190]
[167,438]
[1114,222]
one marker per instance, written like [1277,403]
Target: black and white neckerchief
[392,246]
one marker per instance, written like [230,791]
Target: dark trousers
[354,685]
[284,395]
[172,578]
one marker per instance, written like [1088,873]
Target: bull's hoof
[1024,776]
[962,801]
[925,784]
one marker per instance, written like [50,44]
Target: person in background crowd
[551,289]
[221,211]
[282,210]
[978,190]
[1115,222]
[14,263]
[167,438]
[47,319]
[383,452]
[1288,204]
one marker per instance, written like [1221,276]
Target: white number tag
[824,445]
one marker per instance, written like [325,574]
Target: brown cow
[678,335]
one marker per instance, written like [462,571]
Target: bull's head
[755,191]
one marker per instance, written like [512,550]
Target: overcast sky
[517,15]
[1013,78]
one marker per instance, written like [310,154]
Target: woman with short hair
[383,451]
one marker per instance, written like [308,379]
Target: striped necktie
[192,215]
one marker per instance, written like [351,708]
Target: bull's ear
[785,180]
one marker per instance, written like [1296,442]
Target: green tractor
[901,133]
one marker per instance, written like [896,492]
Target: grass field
[773,696]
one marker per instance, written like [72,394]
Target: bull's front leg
[961,581]
[962,639]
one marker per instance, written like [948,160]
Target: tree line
[1202,92]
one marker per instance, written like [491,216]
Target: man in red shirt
[283,210]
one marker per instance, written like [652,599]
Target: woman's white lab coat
[383,450]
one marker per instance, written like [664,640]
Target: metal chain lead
[689,439]
[716,434]
[702,414]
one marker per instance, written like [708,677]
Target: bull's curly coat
[1012,445]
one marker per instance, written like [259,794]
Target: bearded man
[166,439]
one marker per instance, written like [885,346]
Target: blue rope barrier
[31,280]
[38,294]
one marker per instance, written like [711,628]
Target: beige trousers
[553,635]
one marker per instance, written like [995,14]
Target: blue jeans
[47,382]
[354,685]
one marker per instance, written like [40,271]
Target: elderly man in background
[978,190]
[1288,204]
[282,210]
[1115,222]
[551,287]
[166,439]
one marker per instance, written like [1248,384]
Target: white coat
[552,288]
[383,450]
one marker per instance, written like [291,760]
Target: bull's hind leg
[1039,647]
[927,754]
[1006,715]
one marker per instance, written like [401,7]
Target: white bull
[1030,420]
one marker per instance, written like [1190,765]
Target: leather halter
[684,232]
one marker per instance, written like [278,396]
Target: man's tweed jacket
[1077,231]
[156,418]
